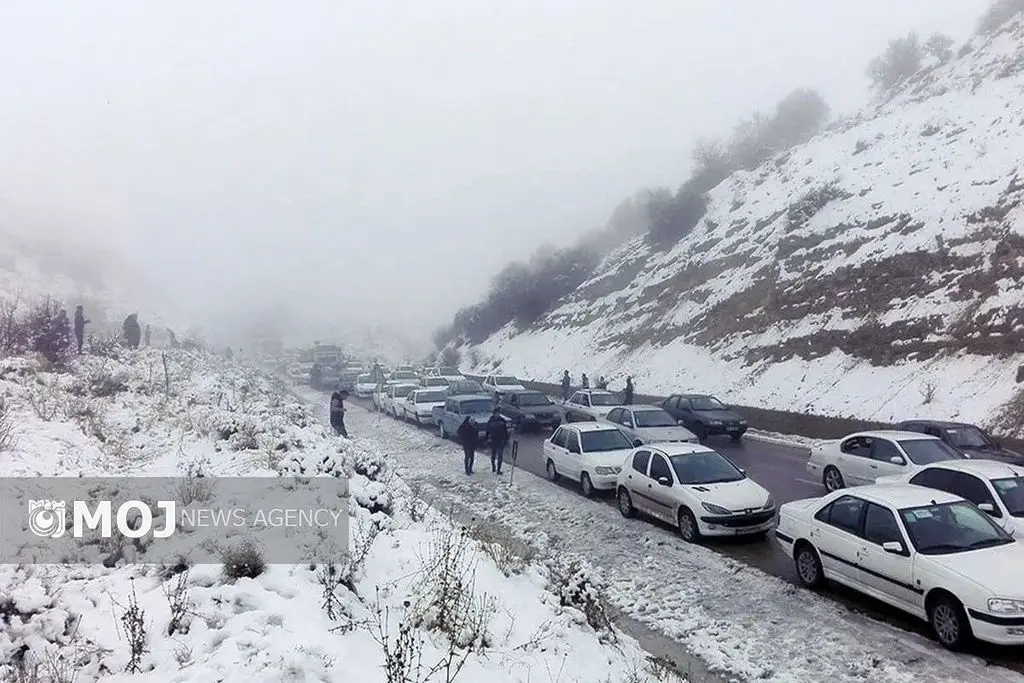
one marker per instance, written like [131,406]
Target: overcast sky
[378,161]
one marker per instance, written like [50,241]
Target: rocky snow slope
[874,272]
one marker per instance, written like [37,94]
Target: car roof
[593,391]
[894,434]
[941,424]
[989,469]
[643,407]
[466,397]
[901,495]
[590,426]
[682,448]
[406,384]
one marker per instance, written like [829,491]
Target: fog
[351,163]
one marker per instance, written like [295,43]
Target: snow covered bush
[579,586]
[49,331]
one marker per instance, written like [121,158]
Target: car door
[671,406]
[555,450]
[888,576]
[837,537]
[686,414]
[854,460]
[883,453]
[617,416]
[660,483]
[627,423]
[636,479]
[573,455]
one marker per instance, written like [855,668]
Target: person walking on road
[497,434]
[627,395]
[338,412]
[468,436]
[566,385]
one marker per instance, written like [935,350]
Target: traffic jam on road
[924,518]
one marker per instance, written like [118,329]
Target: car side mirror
[637,443]
[679,422]
[664,481]
[988,508]
[742,471]
[893,547]
[897,460]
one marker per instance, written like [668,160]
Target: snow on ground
[735,618]
[413,581]
[916,171]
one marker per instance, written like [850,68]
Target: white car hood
[608,458]
[509,387]
[738,496]
[602,411]
[656,434]
[429,407]
[995,569]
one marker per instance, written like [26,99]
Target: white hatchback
[588,453]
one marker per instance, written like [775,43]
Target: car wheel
[444,432]
[736,438]
[551,471]
[626,503]
[586,485]
[949,622]
[687,524]
[832,478]
[808,566]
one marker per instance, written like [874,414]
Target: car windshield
[467,388]
[1011,492]
[533,399]
[437,382]
[927,451]
[430,397]
[706,403]
[483,405]
[403,390]
[707,467]
[653,418]
[364,379]
[951,528]
[506,381]
[967,437]
[449,372]
[603,400]
[604,440]
[403,374]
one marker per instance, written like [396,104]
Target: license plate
[732,429]
[747,529]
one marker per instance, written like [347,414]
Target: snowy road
[734,616]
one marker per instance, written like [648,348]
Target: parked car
[966,438]
[434,382]
[449,373]
[705,416]
[432,371]
[586,452]
[590,404]
[418,405]
[404,376]
[997,488]
[449,416]
[365,386]
[860,458]
[395,392]
[499,384]
[530,410]
[465,387]
[698,490]
[649,424]
[929,553]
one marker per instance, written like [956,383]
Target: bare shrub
[861,146]
[46,400]
[181,605]
[577,586]
[194,486]
[8,435]
[939,46]
[416,507]
[104,383]
[928,390]
[511,554]
[57,663]
[133,621]
[998,15]
[900,61]
[14,337]
[343,573]
[244,561]
[106,346]
[50,331]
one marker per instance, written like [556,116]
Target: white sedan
[698,490]
[996,488]
[590,404]
[365,386]
[586,452]
[861,458]
[502,384]
[396,392]
[926,552]
[418,405]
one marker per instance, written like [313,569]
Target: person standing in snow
[80,323]
[497,434]
[627,394]
[602,383]
[338,412]
[566,385]
[132,331]
[468,435]
[585,381]
[148,336]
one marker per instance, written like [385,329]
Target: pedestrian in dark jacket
[468,435]
[338,412]
[497,434]
[627,395]
[566,385]
[132,331]
[585,381]
[602,383]
[80,323]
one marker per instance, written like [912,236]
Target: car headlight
[1005,606]
[716,509]
[770,504]
[714,422]
[743,422]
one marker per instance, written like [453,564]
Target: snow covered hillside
[874,272]
[416,593]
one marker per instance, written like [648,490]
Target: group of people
[602,383]
[132,330]
[497,436]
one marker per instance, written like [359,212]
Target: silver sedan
[645,424]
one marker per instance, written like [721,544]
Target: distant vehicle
[969,439]
[698,490]
[645,424]
[328,354]
[407,367]
[529,410]
[403,376]
[705,416]
[418,406]
[434,382]
[997,488]
[431,371]
[928,553]
[861,458]
[449,417]
[465,387]
[588,453]
[590,404]
[325,377]
[365,385]
[498,384]
[449,373]
[396,392]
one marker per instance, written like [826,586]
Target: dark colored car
[530,410]
[465,387]
[705,416]
[966,438]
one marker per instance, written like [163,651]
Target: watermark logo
[47,518]
[134,518]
